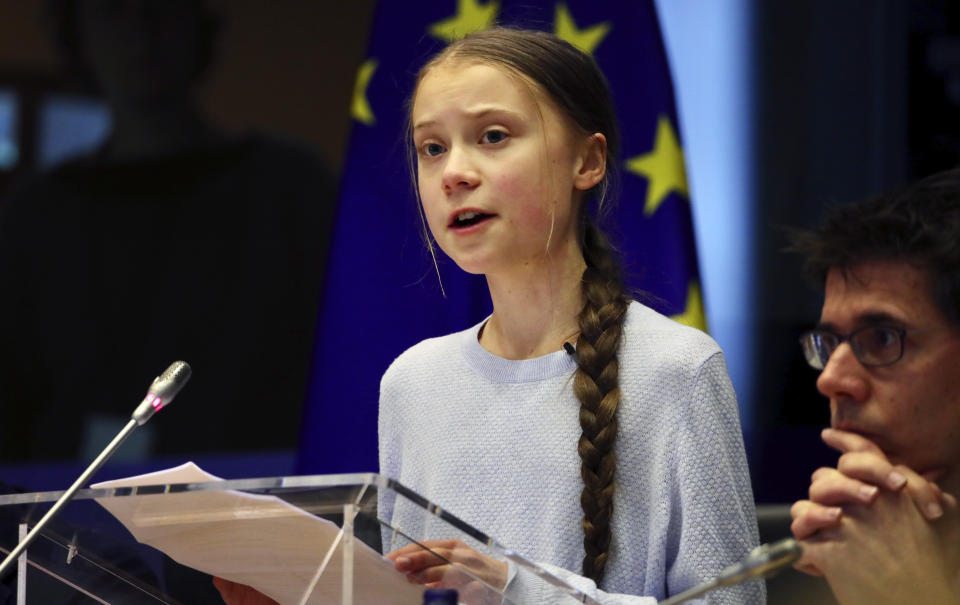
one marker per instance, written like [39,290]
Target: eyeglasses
[872,345]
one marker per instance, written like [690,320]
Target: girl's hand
[444,566]
[240,594]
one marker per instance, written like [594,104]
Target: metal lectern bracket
[72,549]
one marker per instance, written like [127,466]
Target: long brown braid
[572,80]
[595,384]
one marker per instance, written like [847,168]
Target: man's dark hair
[918,224]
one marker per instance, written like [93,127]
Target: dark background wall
[831,98]
[854,98]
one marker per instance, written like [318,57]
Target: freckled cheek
[535,222]
[525,200]
[511,186]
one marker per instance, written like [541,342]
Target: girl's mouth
[468,218]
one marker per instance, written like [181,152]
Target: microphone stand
[67,495]
[162,391]
[762,562]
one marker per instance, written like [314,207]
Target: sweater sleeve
[717,519]
[389,454]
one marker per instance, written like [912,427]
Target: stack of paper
[262,541]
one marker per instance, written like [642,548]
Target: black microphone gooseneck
[162,391]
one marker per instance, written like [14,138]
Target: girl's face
[497,168]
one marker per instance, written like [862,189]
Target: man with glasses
[883,526]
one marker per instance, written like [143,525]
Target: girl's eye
[433,149]
[494,136]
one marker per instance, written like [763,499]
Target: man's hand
[887,552]
[443,565]
[880,533]
[862,471]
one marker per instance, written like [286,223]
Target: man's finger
[949,500]
[871,468]
[810,517]
[805,563]
[846,441]
[833,488]
[926,495]
[821,472]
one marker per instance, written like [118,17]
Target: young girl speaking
[578,427]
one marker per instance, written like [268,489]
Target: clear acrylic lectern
[301,540]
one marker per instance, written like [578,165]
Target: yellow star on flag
[359,106]
[662,167]
[585,39]
[693,314]
[471,17]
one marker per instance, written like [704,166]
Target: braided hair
[596,386]
[574,82]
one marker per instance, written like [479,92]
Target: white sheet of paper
[257,540]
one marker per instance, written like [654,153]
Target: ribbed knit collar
[500,370]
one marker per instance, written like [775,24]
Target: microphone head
[162,390]
[762,562]
[168,384]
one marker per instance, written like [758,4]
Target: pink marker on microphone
[162,391]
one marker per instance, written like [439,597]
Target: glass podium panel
[299,540]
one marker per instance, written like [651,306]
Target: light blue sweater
[494,441]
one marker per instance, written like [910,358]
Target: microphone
[161,392]
[763,561]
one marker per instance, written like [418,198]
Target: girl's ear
[593,162]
